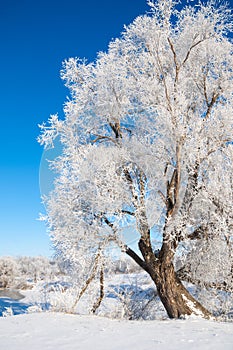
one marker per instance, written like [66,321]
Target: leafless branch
[102,138]
[191,48]
[175,60]
[128,212]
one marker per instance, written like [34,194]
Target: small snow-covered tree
[8,272]
[147,144]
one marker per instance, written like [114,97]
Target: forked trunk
[176,299]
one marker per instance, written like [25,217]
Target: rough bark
[175,298]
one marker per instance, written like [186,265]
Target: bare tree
[147,144]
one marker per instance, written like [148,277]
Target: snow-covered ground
[33,327]
[57,331]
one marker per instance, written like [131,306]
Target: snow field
[73,332]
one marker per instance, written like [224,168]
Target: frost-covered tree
[37,268]
[8,272]
[147,148]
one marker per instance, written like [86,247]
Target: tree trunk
[175,298]
[177,301]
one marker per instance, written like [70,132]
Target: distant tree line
[22,272]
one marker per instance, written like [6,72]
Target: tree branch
[175,60]
[88,280]
[211,104]
[128,212]
[116,129]
[101,296]
[102,138]
[190,49]
[128,250]
[136,258]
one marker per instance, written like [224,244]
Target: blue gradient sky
[36,36]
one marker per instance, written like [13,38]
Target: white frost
[192,306]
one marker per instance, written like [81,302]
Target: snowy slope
[57,331]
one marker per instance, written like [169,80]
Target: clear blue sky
[36,36]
